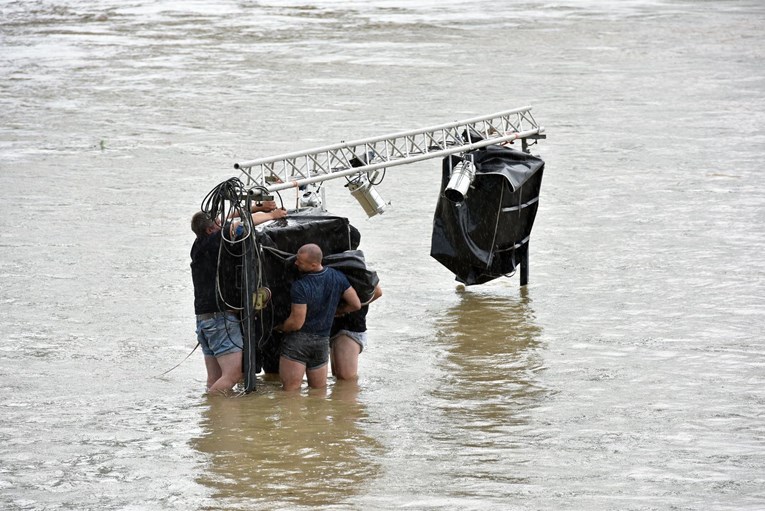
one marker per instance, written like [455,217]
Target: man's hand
[278,213]
[266,205]
[350,302]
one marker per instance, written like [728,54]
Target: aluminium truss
[371,154]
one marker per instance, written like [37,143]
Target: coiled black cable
[228,200]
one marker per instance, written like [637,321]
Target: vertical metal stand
[525,264]
[249,286]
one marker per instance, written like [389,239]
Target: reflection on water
[490,386]
[493,353]
[273,447]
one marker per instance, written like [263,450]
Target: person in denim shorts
[317,296]
[347,340]
[220,336]
[218,331]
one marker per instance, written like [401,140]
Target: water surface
[628,374]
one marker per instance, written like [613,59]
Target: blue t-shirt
[321,293]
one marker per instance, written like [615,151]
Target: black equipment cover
[279,242]
[487,235]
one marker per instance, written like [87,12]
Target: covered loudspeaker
[486,235]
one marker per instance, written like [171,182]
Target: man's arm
[377,294]
[259,217]
[266,205]
[350,302]
[295,320]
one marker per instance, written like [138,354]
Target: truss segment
[367,155]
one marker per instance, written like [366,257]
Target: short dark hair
[200,222]
[312,253]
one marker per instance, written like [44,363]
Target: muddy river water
[628,375]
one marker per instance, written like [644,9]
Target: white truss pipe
[355,143]
[391,163]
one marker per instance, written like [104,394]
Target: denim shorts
[359,337]
[309,349]
[220,335]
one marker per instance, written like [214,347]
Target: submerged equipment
[481,228]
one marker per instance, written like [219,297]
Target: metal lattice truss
[367,155]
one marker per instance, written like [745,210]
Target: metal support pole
[525,264]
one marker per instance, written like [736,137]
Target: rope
[179,363]
[496,228]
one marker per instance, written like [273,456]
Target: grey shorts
[359,337]
[309,349]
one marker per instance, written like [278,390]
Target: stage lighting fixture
[459,182]
[366,195]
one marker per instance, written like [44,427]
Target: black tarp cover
[279,242]
[486,236]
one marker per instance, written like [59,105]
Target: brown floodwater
[628,374]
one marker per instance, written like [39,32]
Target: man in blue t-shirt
[316,297]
